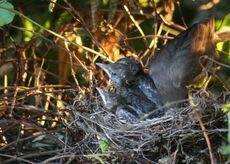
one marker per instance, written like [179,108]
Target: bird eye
[114,74]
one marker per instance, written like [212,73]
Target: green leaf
[104,144]
[223,25]
[228,137]
[226,109]
[226,21]
[105,2]
[225,149]
[29,30]
[6,16]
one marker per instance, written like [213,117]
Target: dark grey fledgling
[122,72]
[111,100]
[145,84]
[178,63]
[141,103]
[117,104]
[129,105]
[126,114]
[142,82]
[118,73]
[127,74]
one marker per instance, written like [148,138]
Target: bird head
[126,114]
[110,100]
[119,73]
[134,65]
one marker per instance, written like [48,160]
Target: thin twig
[198,116]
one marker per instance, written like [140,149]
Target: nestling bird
[133,65]
[141,103]
[122,72]
[116,104]
[129,106]
[178,63]
[111,100]
[127,75]
[126,113]
[118,73]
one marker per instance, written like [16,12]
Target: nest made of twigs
[176,136]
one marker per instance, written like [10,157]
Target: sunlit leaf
[226,21]
[6,16]
[219,46]
[143,3]
[226,108]
[222,25]
[29,30]
[146,3]
[103,144]
[200,83]
[46,25]
[105,2]
[223,22]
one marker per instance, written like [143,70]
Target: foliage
[226,149]
[6,16]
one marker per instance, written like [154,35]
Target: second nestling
[131,108]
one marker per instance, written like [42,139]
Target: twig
[136,24]
[198,116]
[16,158]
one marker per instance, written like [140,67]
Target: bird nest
[189,133]
[86,132]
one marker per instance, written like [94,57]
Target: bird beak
[103,94]
[105,68]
